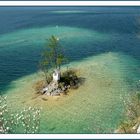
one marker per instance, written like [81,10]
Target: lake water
[102,42]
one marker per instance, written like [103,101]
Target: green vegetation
[52,57]
[70,78]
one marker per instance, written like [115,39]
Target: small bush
[39,85]
[69,78]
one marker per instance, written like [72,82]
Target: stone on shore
[53,89]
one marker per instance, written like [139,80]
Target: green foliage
[70,78]
[52,56]
[25,121]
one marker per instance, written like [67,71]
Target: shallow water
[102,43]
[96,107]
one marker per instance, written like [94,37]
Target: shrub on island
[68,80]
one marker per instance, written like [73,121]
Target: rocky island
[56,82]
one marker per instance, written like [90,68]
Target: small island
[57,82]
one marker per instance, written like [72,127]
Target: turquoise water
[22,28]
[102,42]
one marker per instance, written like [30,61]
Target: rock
[53,89]
[117,131]
[48,93]
[135,127]
[56,94]
[138,130]
[44,90]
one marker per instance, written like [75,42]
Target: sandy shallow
[95,107]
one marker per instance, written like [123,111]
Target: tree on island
[56,81]
[52,57]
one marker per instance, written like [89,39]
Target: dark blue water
[122,23]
